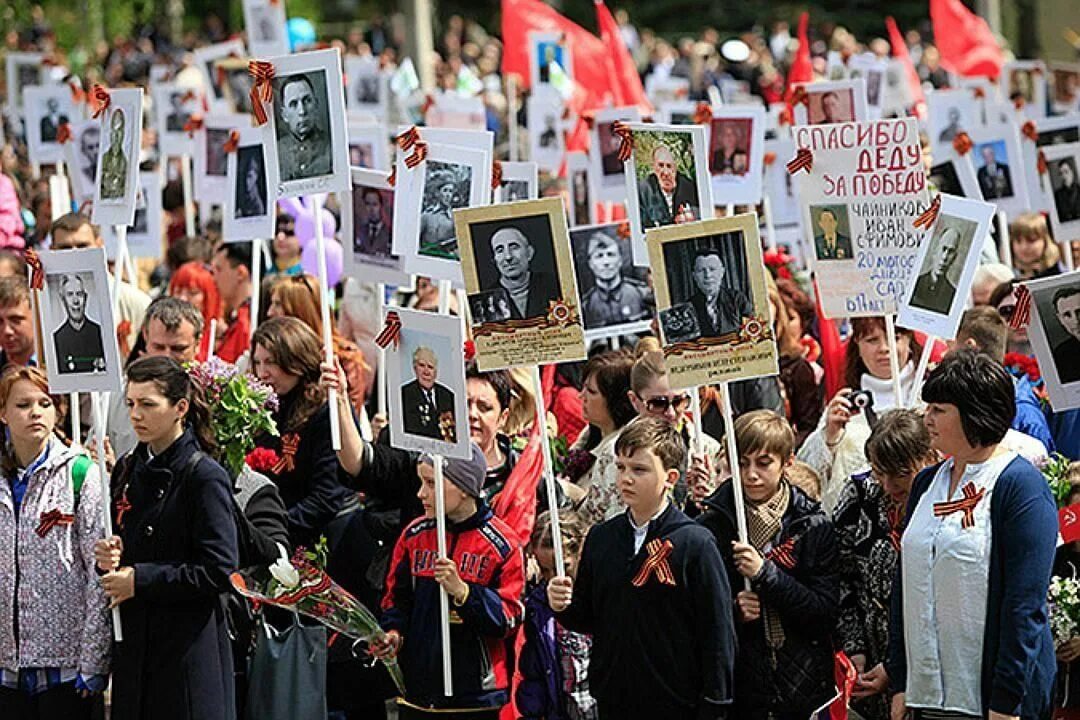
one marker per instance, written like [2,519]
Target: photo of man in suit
[178,114]
[51,120]
[719,308]
[666,193]
[78,343]
[372,224]
[994,178]
[531,289]
[1066,303]
[933,290]
[830,243]
[425,404]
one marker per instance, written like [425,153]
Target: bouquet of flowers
[302,585]
[241,409]
[1056,471]
[1064,605]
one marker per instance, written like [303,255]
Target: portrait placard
[267,31]
[872,72]
[952,174]
[778,183]
[827,103]
[81,156]
[1025,80]
[519,278]
[616,298]
[424,202]
[118,159]
[736,154]
[205,57]
[235,80]
[145,237]
[999,167]
[608,172]
[859,203]
[368,146]
[1063,173]
[677,112]
[454,110]
[662,91]
[519,182]
[310,149]
[897,96]
[173,107]
[46,108]
[1055,336]
[457,137]
[22,70]
[249,209]
[425,374]
[582,208]
[667,180]
[712,300]
[1065,78]
[546,142]
[950,113]
[946,264]
[545,48]
[79,333]
[211,161]
[369,88]
[367,219]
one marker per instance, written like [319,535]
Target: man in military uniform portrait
[830,243]
[614,298]
[1066,304]
[114,163]
[78,343]
[933,290]
[424,401]
[303,141]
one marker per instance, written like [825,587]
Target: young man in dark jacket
[784,670]
[484,577]
[652,590]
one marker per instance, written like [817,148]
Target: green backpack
[78,475]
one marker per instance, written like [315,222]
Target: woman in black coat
[167,567]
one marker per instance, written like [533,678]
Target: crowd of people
[914,534]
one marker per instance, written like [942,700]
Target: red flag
[967,45]
[900,52]
[516,502]
[1069,523]
[626,81]
[802,69]
[832,350]
[845,675]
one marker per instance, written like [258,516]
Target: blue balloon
[301,33]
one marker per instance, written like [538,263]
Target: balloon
[301,33]
[301,211]
[335,260]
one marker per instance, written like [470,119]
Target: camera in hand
[860,400]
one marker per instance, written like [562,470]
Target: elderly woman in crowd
[968,632]
[835,448]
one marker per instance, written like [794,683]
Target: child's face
[1028,248]
[761,473]
[642,480]
[545,558]
[452,494]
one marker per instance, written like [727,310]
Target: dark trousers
[57,703]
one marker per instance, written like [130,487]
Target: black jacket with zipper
[797,677]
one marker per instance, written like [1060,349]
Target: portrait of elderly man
[424,401]
[719,307]
[530,288]
[52,120]
[89,143]
[933,290]
[114,163]
[303,141]
[1066,304]
[78,342]
[614,298]
[666,193]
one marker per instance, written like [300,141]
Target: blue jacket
[1066,429]
[1018,662]
[539,694]
[1030,418]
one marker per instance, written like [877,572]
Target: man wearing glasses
[79,348]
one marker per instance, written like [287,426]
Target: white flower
[283,570]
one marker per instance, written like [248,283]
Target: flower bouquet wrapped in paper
[1063,603]
[301,585]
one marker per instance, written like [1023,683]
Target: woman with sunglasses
[835,449]
[286,247]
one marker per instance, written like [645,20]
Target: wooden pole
[256,285]
[894,359]
[736,473]
[327,330]
[444,599]
[189,202]
[549,475]
[511,115]
[97,405]
[920,373]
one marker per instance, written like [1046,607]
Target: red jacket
[489,559]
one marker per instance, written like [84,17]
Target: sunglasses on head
[661,403]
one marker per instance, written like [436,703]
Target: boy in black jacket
[652,590]
[785,667]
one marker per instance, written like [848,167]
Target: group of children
[656,616]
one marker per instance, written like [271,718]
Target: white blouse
[946,578]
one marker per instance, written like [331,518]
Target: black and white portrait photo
[1055,336]
[249,209]
[369,87]
[211,161]
[80,155]
[709,274]
[22,70]
[80,344]
[490,306]
[250,187]
[544,110]
[236,85]
[114,163]
[944,178]
[614,293]
[51,120]
[446,188]
[832,232]
[173,107]
[426,374]
[1065,313]
[582,210]
[118,158]
[520,181]
[517,256]
[935,284]
[267,35]
[1063,171]
[47,108]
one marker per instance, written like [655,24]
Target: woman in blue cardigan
[968,635]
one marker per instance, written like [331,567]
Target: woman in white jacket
[55,632]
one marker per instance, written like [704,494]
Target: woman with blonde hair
[1034,252]
[56,635]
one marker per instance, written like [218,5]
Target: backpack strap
[79,469]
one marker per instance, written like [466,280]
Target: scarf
[763,522]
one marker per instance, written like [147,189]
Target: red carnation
[261,459]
